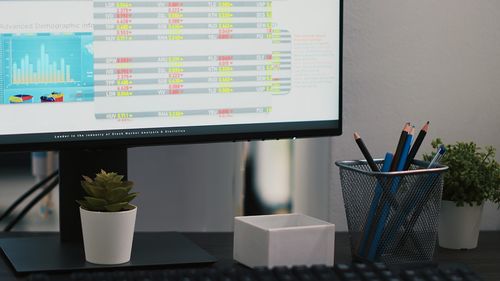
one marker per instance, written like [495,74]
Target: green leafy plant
[473,176]
[107,192]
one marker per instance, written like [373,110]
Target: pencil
[416,145]
[384,215]
[365,152]
[406,149]
[382,208]
[370,223]
[399,148]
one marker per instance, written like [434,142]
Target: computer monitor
[88,78]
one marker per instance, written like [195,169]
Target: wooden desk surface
[485,259]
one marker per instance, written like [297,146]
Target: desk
[485,259]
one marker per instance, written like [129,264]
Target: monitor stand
[64,251]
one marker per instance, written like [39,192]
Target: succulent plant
[107,192]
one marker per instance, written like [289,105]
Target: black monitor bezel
[246,132]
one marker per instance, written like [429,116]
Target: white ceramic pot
[108,236]
[459,226]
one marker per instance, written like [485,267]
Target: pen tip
[442,149]
[356,135]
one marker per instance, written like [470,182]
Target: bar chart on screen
[46,67]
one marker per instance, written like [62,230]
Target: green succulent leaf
[128,185]
[130,197]
[96,202]
[117,195]
[93,190]
[116,207]
[87,179]
[128,207]
[83,204]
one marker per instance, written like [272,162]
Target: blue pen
[385,211]
[439,154]
[373,208]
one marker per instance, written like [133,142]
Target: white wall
[417,61]
[403,61]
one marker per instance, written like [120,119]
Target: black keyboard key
[340,267]
[226,278]
[246,277]
[472,277]
[300,269]
[386,274]
[434,278]
[415,278]
[261,269]
[361,266]
[318,269]
[350,275]
[205,278]
[369,275]
[379,266]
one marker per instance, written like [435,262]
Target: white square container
[283,240]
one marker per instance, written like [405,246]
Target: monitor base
[47,253]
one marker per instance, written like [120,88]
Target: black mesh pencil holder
[392,217]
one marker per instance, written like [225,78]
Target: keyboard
[339,272]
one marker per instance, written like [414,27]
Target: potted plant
[108,218]
[473,177]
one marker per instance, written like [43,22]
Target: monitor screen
[79,72]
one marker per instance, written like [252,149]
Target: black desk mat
[36,254]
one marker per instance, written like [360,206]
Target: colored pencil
[416,145]
[365,152]
[370,220]
[406,149]
[399,148]
[379,220]
[384,215]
